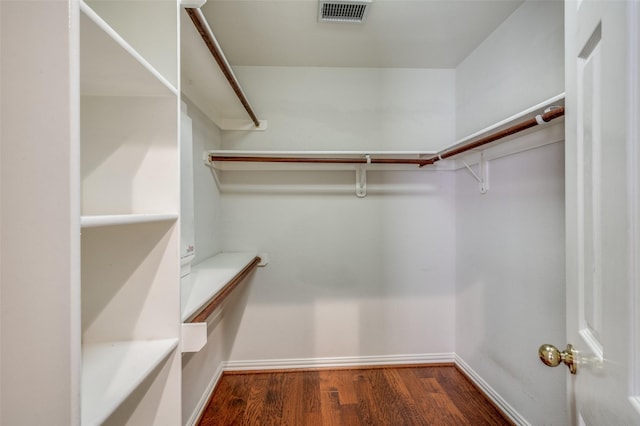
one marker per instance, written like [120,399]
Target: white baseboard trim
[500,402]
[202,404]
[350,361]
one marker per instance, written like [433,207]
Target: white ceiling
[397,33]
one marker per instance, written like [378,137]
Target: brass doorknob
[552,357]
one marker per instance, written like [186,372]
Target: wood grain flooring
[394,396]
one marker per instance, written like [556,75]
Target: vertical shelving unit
[130,202]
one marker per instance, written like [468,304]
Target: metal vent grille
[343,11]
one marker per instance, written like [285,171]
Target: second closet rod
[200,22]
[552,114]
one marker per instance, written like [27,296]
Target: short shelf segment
[123,219]
[110,65]
[111,371]
[211,281]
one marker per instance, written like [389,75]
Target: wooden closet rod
[446,153]
[200,22]
[517,128]
[203,314]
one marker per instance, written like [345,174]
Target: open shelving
[129,170]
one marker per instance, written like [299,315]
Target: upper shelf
[203,82]
[111,66]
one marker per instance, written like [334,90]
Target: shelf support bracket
[483,179]
[361,178]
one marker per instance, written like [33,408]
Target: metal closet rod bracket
[361,178]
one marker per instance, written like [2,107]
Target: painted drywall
[510,242]
[40,280]
[519,65]
[347,108]
[341,281]
[347,276]
[510,279]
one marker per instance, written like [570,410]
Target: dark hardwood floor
[394,396]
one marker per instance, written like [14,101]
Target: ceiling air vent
[343,11]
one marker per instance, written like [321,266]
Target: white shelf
[202,80]
[129,170]
[332,154]
[359,155]
[208,277]
[124,219]
[111,371]
[110,66]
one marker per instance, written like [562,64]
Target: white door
[602,202]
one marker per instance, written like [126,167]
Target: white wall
[510,279]
[347,108]
[346,276]
[510,242]
[519,65]
[207,206]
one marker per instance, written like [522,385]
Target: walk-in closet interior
[165,235]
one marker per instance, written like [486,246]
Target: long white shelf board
[208,277]
[93,221]
[359,155]
[112,371]
[320,154]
